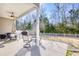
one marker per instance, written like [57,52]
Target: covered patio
[9,13]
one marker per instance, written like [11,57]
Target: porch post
[37,26]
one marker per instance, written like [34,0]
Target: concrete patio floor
[46,48]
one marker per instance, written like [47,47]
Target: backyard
[49,30]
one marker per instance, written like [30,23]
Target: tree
[63,14]
[74,19]
[43,24]
[43,19]
[73,16]
[29,26]
[57,5]
[17,25]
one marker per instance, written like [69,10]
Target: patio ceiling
[18,9]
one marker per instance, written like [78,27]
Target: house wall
[5,25]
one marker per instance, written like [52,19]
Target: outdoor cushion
[2,36]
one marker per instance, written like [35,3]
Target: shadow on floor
[8,41]
[1,45]
[43,46]
[35,51]
[22,52]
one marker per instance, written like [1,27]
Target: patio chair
[11,36]
[26,39]
[2,36]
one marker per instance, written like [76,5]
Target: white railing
[58,34]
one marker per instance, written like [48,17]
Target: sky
[49,9]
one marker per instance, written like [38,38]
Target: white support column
[37,26]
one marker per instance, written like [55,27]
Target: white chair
[26,39]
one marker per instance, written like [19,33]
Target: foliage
[69,53]
[68,25]
[29,26]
